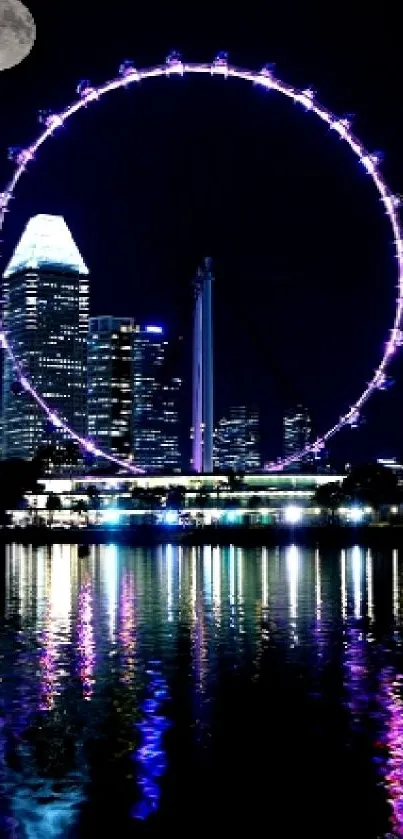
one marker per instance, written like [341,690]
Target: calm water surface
[178,690]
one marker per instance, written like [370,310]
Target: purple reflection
[199,645]
[86,645]
[48,665]
[34,801]
[356,673]
[320,624]
[392,764]
[199,672]
[151,756]
[127,626]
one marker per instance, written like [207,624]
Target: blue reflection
[34,803]
[151,756]
[6,821]
[64,761]
[41,786]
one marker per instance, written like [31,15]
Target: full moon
[17,33]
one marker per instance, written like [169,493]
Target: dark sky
[151,179]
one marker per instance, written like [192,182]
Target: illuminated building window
[51,344]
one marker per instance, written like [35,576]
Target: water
[144,691]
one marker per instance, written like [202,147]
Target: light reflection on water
[130,677]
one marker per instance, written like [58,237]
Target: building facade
[263,499]
[45,317]
[237,441]
[156,392]
[297,433]
[110,384]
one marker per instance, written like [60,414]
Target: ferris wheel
[266,79]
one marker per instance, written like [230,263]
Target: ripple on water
[198,686]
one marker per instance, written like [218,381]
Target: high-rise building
[297,433]
[110,384]
[237,441]
[156,390]
[45,317]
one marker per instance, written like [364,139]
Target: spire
[203,401]
[46,243]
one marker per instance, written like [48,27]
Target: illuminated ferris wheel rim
[265,78]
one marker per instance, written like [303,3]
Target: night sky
[152,179]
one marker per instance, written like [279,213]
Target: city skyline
[201,437]
[108,379]
[110,384]
[297,433]
[270,229]
[46,244]
[237,441]
[130,392]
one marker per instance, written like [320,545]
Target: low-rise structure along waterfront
[197,499]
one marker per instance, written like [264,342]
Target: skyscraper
[203,372]
[45,316]
[237,441]
[156,389]
[297,432]
[110,384]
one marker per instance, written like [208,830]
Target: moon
[17,33]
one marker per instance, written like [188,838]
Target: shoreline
[150,535]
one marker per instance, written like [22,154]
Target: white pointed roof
[46,243]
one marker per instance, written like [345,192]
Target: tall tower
[45,316]
[297,433]
[203,384]
[110,384]
[156,393]
[237,441]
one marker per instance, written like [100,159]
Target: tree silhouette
[53,505]
[94,499]
[175,498]
[235,480]
[330,496]
[16,478]
[371,483]
[147,498]
[81,507]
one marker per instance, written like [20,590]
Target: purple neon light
[307,99]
